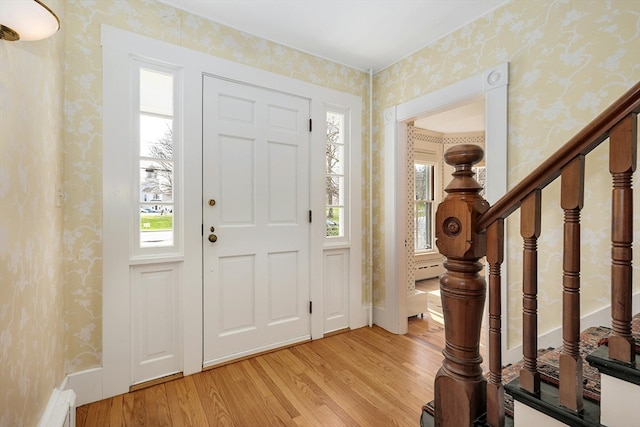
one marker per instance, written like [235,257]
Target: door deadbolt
[212,202]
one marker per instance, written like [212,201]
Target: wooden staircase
[467,229]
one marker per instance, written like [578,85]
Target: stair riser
[619,402]
[526,416]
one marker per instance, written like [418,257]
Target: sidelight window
[156,157]
[336,142]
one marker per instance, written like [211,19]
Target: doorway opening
[428,138]
[490,85]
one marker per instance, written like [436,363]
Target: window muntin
[156,160]
[336,141]
[424,205]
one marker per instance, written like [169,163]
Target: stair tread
[600,360]
[427,420]
[549,403]
[593,350]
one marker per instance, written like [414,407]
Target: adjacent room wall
[31,261]
[568,61]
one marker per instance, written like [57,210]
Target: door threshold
[251,356]
[336,332]
[157,381]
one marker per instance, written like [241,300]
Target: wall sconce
[26,20]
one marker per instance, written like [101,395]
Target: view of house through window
[156,159]
[335,150]
[424,205]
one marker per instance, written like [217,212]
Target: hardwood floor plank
[116,412]
[354,408]
[320,388]
[215,408]
[81,415]
[277,394]
[184,403]
[251,408]
[129,409]
[377,399]
[305,406]
[157,406]
[140,415]
[359,378]
[98,414]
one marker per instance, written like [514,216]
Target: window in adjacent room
[424,205]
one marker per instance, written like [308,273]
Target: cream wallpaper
[31,264]
[83,143]
[569,60]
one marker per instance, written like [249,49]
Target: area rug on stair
[548,364]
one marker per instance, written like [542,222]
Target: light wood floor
[365,377]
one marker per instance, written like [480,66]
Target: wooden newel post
[460,388]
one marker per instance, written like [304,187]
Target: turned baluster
[622,163]
[530,221]
[571,201]
[495,389]
[460,388]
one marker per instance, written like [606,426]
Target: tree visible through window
[335,148]
[156,116]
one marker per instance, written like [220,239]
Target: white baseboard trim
[553,338]
[360,318]
[386,319]
[61,408]
[87,385]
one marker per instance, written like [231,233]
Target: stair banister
[459,384]
[582,143]
[464,220]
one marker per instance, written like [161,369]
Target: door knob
[213,238]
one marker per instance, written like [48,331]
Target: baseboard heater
[60,411]
[428,271]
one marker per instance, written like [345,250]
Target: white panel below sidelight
[336,289]
[155,321]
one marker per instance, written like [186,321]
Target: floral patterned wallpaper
[31,264]
[83,142]
[568,61]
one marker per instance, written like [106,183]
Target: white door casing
[119,47]
[256,168]
[492,85]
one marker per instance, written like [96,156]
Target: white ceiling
[465,118]
[363,34]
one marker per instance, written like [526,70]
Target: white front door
[256,225]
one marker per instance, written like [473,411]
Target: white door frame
[119,47]
[492,85]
